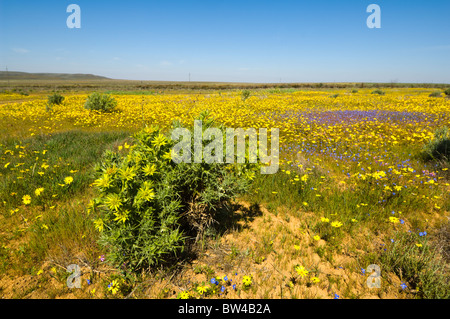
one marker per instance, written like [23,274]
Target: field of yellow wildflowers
[352,191]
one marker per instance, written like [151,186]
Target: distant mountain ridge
[13,75]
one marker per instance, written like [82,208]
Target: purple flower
[234,286]
[222,289]
[402,221]
[214,281]
[336,296]
[363,271]
[404,286]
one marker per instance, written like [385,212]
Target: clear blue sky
[244,41]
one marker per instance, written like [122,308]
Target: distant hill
[12,75]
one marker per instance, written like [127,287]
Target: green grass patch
[413,259]
[64,233]
[58,163]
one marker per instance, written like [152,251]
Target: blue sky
[237,41]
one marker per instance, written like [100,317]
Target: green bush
[439,147]
[379,92]
[245,95]
[100,102]
[148,205]
[435,94]
[55,99]
[447,92]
